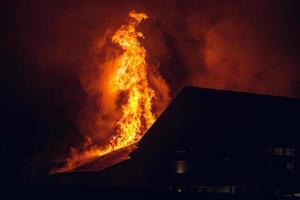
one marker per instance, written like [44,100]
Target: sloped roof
[205,122]
[199,115]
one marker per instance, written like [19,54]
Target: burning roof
[128,93]
[211,127]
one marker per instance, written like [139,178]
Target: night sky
[46,46]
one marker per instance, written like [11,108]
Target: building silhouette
[211,141]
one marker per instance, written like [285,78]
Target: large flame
[130,80]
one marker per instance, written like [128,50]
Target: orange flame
[130,79]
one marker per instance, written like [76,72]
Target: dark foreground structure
[211,142]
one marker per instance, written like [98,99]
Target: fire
[130,80]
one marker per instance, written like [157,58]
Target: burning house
[209,141]
[94,98]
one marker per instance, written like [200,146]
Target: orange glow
[128,78]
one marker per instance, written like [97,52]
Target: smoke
[247,46]
[244,46]
[239,57]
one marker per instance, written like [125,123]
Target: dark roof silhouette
[223,133]
[198,115]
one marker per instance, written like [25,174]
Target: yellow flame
[129,79]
